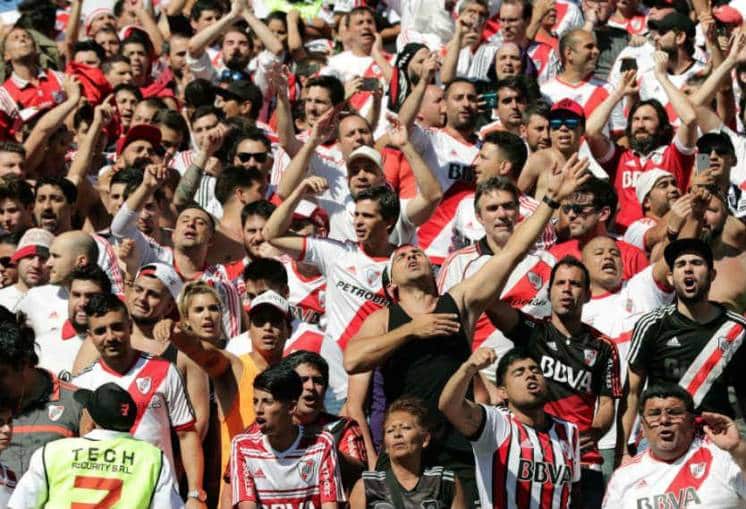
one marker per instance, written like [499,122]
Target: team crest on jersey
[143,384]
[306,470]
[629,306]
[724,344]
[697,469]
[54,412]
[589,357]
[372,275]
[535,280]
[552,345]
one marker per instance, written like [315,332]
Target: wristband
[553,204]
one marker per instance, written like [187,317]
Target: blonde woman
[201,313]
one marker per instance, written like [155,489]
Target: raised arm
[202,39]
[295,41]
[687,131]
[594,126]
[411,106]
[278,76]
[465,415]
[473,295]
[429,191]
[379,57]
[463,36]
[718,77]
[72,29]
[262,31]
[189,182]
[148,23]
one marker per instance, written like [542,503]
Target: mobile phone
[702,162]
[490,100]
[370,84]
[627,64]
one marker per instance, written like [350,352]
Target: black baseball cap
[110,406]
[673,21]
[240,90]
[683,246]
[718,141]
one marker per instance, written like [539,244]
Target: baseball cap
[366,152]
[565,106]
[683,246]
[727,15]
[165,274]
[240,90]
[717,141]
[110,406]
[270,298]
[673,21]
[35,241]
[139,132]
[646,181]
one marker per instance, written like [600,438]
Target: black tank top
[434,490]
[421,368]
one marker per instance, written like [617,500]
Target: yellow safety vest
[308,9]
[115,473]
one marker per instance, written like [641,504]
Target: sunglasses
[7,262]
[228,75]
[578,209]
[718,149]
[570,122]
[245,157]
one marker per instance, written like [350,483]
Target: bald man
[46,306]
[508,61]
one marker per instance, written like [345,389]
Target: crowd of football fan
[380,254]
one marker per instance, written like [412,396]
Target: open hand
[721,430]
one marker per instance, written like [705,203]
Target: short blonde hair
[192,289]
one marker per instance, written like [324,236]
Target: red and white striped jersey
[526,289]
[615,314]
[305,475]
[635,25]
[569,16]
[451,162]
[159,393]
[706,476]
[307,294]
[467,229]
[354,288]
[545,59]
[635,233]
[519,467]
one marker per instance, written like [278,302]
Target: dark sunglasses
[245,157]
[718,149]
[228,75]
[7,262]
[578,209]
[570,122]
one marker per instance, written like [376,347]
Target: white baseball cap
[366,152]
[166,275]
[35,241]
[646,181]
[270,298]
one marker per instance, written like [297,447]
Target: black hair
[512,147]
[103,303]
[282,16]
[129,88]
[39,15]
[137,37]
[199,92]
[603,193]
[115,59]
[387,199]
[130,177]
[496,184]
[11,239]
[193,205]
[665,130]
[233,177]
[253,134]
[154,102]
[261,208]
[67,187]
[571,261]
[331,84]
[175,121]
[93,273]
[13,188]
[205,110]
[270,270]
[528,8]
[666,390]
[17,345]
[83,114]
[256,99]
[540,108]
[513,355]
[516,83]
[282,382]
[295,359]
[456,81]
[90,45]
[201,6]
[12,146]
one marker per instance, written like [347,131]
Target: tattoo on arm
[188,185]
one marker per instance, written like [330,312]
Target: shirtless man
[566,128]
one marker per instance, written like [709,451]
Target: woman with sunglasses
[406,483]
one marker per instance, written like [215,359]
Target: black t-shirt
[704,358]
[421,368]
[435,490]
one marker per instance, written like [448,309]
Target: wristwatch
[200,495]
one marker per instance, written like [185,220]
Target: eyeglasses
[229,75]
[570,122]
[7,262]
[245,157]
[654,416]
[578,209]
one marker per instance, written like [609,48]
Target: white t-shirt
[706,476]
[636,231]
[10,297]
[158,390]
[45,308]
[57,350]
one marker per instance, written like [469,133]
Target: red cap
[570,106]
[139,132]
[727,14]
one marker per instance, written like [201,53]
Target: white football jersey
[636,231]
[706,477]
